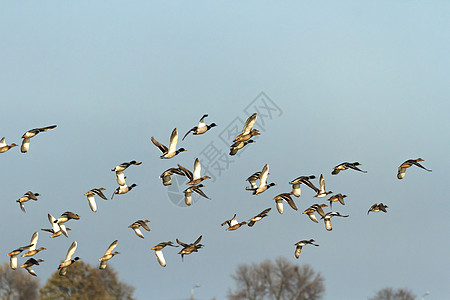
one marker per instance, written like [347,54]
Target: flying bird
[171,150]
[68,261]
[31,133]
[26,197]
[13,256]
[286,197]
[123,189]
[299,246]
[193,189]
[108,255]
[194,177]
[4,147]
[200,128]
[402,168]
[345,166]
[90,197]
[159,254]
[377,208]
[189,248]
[258,217]
[68,215]
[263,186]
[252,180]
[247,131]
[338,197]
[30,263]
[32,250]
[321,192]
[327,219]
[312,209]
[120,176]
[233,224]
[166,175]
[296,191]
[56,229]
[236,146]
[139,223]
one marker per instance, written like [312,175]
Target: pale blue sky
[355,82]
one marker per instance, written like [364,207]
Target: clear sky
[349,81]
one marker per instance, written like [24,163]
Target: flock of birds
[257,184]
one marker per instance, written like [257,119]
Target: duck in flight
[296,191]
[263,186]
[321,191]
[402,168]
[233,224]
[194,177]
[31,133]
[4,147]
[90,197]
[258,217]
[193,189]
[26,197]
[169,152]
[299,246]
[120,176]
[377,208]
[108,255]
[166,175]
[286,197]
[159,254]
[200,128]
[68,261]
[345,166]
[139,223]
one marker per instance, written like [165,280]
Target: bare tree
[17,284]
[391,294]
[280,280]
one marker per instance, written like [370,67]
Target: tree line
[275,280]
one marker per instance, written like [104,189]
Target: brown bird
[139,223]
[31,133]
[263,186]
[56,229]
[233,224]
[345,166]
[30,263]
[200,128]
[108,255]
[313,208]
[189,248]
[4,147]
[13,256]
[193,189]
[158,251]
[258,217]
[169,152]
[32,250]
[286,197]
[68,261]
[377,208]
[165,176]
[327,219]
[299,246]
[298,181]
[26,197]
[338,197]
[90,197]
[402,168]
[247,131]
[194,177]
